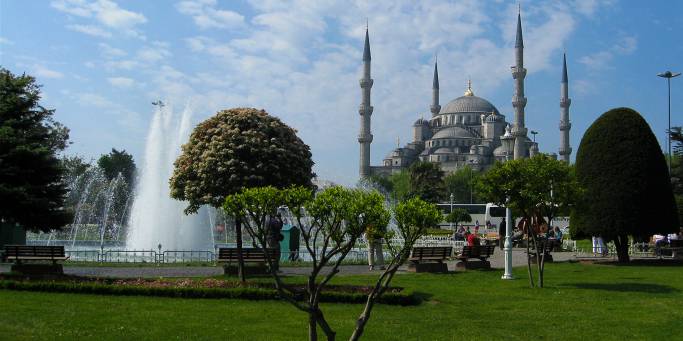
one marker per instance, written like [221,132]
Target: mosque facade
[467,131]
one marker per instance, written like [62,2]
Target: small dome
[443,150]
[469,104]
[420,122]
[452,132]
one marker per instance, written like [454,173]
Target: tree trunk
[621,244]
[312,327]
[238,240]
[528,259]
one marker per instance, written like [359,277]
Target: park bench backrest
[477,251]
[432,252]
[47,252]
[248,254]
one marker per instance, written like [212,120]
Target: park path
[497,262]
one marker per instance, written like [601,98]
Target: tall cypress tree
[626,184]
[32,189]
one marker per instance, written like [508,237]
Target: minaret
[565,124]
[518,100]
[435,107]
[365,110]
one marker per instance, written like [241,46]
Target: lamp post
[507,247]
[451,210]
[534,134]
[668,75]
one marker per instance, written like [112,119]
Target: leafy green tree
[395,187]
[32,188]
[457,216]
[426,181]
[535,189]
[461,184]
[330,223]
[237,149]
[677,168]
[622,169]
[118,162]
[413,218]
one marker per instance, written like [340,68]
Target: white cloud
[205,15]
[42,71]
[6,41]
[104,13]
[110,52]
[94,100]
[602,60]
[90,30]
[121,82]
[590,7]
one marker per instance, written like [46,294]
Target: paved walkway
[497,262]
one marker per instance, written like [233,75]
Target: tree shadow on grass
[626,287]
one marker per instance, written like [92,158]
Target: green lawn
[580,302]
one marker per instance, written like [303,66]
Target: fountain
[155,218]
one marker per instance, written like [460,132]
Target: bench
[549,246]
[481,252]
[429,258]
[255,256]
[25,253]
[675,247]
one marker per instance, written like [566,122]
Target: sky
[103,62]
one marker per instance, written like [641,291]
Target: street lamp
[534,134]
[668,75]
[508,242]
[472,163]
[451,210]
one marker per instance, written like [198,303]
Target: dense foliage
[536,189]
[627,189]
[236,149]
[32,189]
[461,184]
[118,162]
[677,168]
[426,181]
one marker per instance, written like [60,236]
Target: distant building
[468,131]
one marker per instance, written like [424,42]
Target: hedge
[404,297]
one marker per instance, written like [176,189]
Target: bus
[491,213]
[487,215]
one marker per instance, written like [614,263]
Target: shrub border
[403,298]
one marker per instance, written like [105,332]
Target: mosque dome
[469,103]
[452,132]
[442,150]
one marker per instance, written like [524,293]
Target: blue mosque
[467,131]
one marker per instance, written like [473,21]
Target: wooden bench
[429,258]
[255,256]
[28,253]
[481,252]
[675,247]
[549,246]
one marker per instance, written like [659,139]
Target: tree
[677,168]
[118,162]
[237,149]
[535,189]
[330,224]
[458,215]
[413,217]
[461,184]
[624,174]
[32,189]
[396,187]
[426,181]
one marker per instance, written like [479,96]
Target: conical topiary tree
[623,173]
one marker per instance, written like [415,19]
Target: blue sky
[103,62]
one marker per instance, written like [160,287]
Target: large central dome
[469,104]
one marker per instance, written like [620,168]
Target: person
[460,234]
[501,233]
[473,238]
[660,241]
[375,254]
[274,237]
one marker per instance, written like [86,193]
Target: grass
[580,302]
